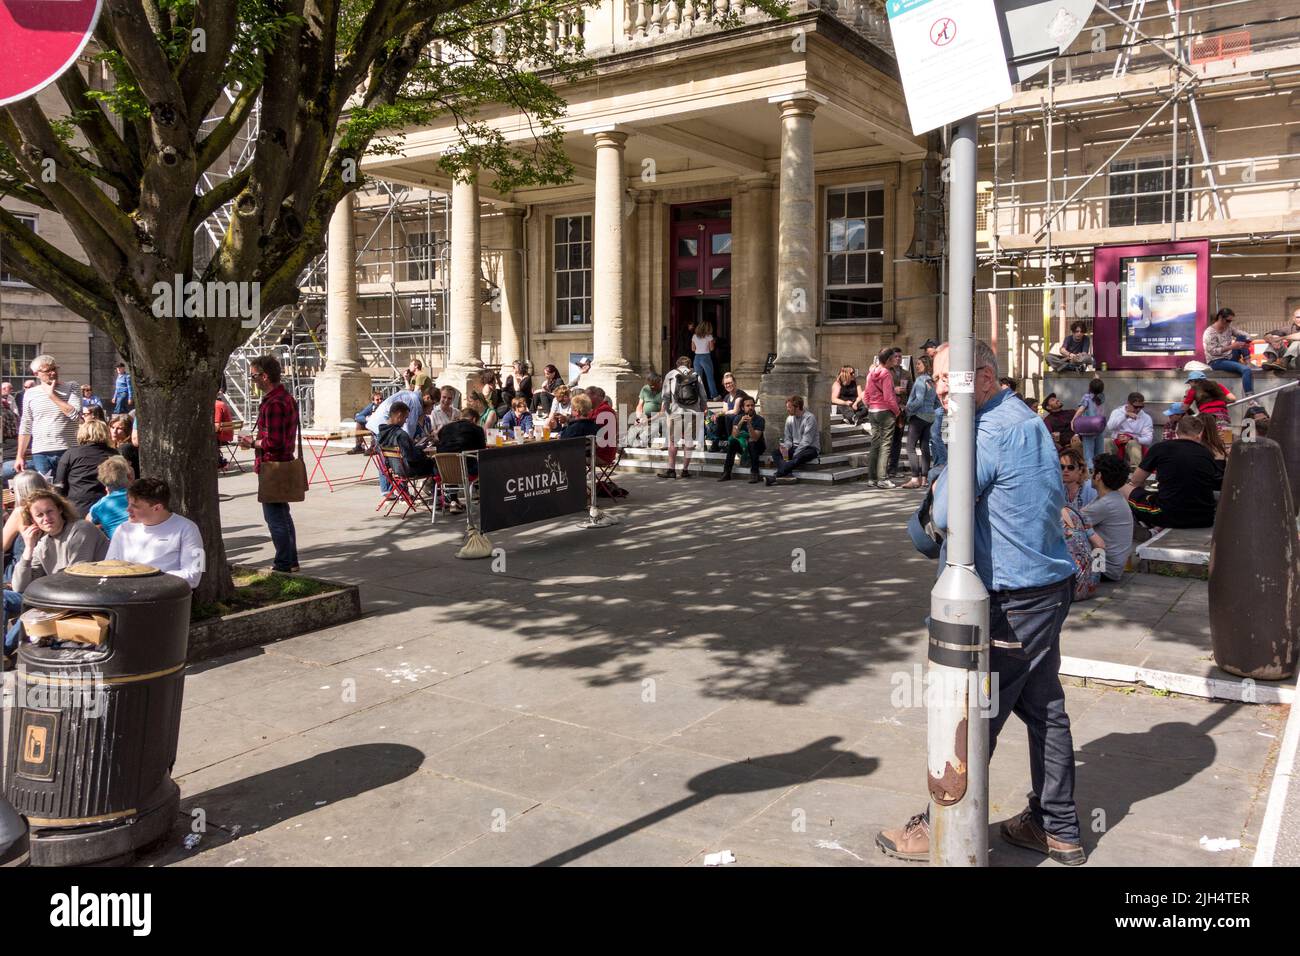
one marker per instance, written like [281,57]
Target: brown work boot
[1023,831]
[911,842]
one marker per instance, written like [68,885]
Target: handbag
[280,482]
[925,537]
[1089,425]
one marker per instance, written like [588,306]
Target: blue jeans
[13,606]
[45,462]
[1091,448]
[283,535]
[120,406]
[800,458]
[1025,630]
[704,369]
[1237,368]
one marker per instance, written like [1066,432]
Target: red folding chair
[401,487]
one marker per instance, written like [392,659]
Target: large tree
[125,168]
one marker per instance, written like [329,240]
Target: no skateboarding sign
[39,39]
[951,58]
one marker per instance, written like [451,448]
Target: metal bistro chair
[231,448]
[401,486]
[452,476]
[605,472]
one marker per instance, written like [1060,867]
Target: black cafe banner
[535,481]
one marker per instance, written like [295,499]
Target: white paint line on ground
[1283,774]
[1219,844]
[1211,688]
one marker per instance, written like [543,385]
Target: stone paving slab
[665,688]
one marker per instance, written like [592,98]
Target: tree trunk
[178,443]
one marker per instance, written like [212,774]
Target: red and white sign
[943,32]
[39,39]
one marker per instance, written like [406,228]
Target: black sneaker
[726,476]
[668,473]
[754,479]
[769,481]
[686,473]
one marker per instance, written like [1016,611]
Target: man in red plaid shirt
[277,430]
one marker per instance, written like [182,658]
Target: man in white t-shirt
[154,536]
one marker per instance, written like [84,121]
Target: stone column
[342,388]
[797,368]
[611,369]
[511,301]
[465,322]
[753,327]
[648,259]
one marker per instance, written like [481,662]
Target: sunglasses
[1069,468]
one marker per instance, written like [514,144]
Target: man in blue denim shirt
[1021,557]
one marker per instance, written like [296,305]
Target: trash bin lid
[111,569]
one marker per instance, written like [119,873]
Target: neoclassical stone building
[760,177]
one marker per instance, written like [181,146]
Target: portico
[792,138]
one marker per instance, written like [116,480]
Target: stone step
[830,468]
[825,476]
[1176,552]
[660,454]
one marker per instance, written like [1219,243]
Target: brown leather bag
[279,482]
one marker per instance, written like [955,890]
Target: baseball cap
[1177,408]
[1256,410]
[929,344]
[1195,375]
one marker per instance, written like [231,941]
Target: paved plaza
[721,671]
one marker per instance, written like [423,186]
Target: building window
[1141,194]
[16,364]
[855,254]
[7,277]
[572,271]
[421,256]
[427,313]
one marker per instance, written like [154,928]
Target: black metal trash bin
[94,732]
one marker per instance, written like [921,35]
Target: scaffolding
[1109,144]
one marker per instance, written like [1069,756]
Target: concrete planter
[266,625]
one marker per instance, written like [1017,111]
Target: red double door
[700,283]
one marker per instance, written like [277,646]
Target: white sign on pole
[951,58]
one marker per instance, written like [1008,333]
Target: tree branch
[74,284]
[216,197]
[25,127]
[109,147]
[201,74]
[212,146]
[139,46]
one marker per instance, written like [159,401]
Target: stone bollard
[1284,428]
[1255,567]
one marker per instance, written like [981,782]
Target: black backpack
[686,390]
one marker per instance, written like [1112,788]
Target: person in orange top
[222,414]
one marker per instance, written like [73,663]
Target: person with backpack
[1090,420]
[683,401]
